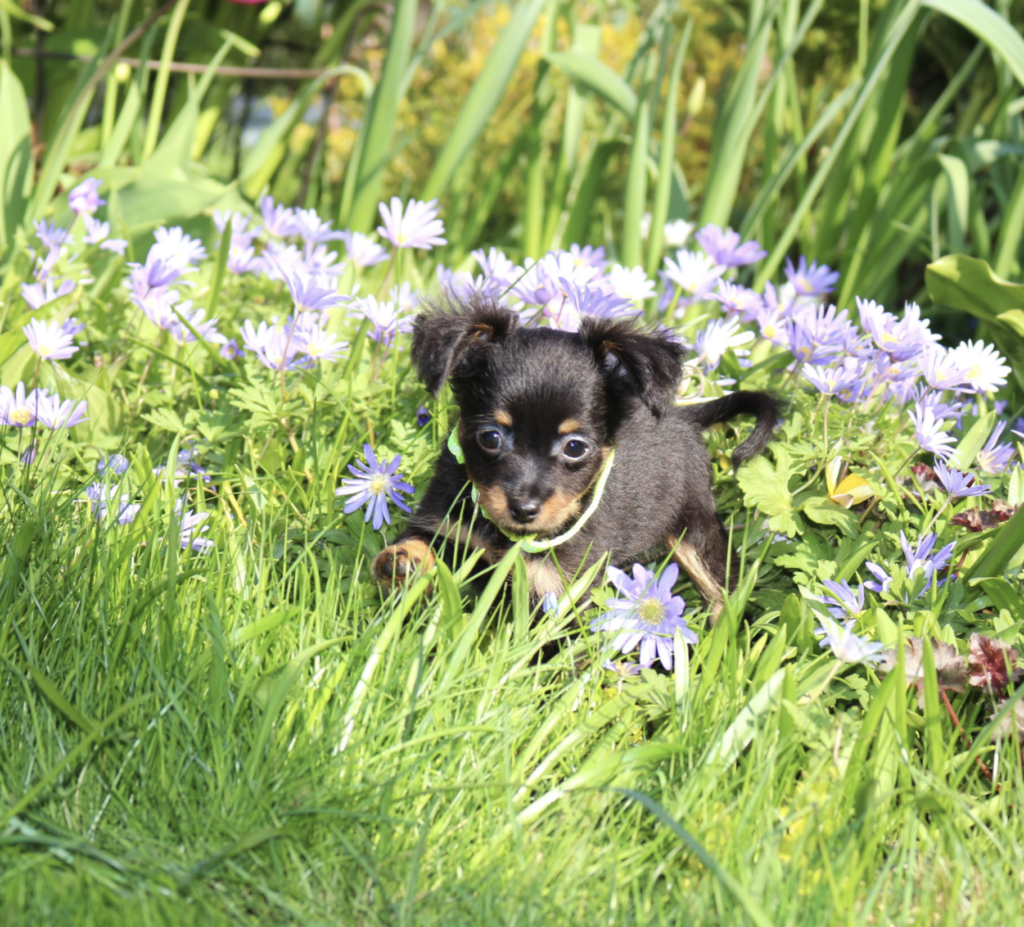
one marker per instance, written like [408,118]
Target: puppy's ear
[448,335]
[636,362]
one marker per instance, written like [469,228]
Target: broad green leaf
[590,73]
[968,283]
[152,201]
[483,99]
[766,486]
[959,198]
[823,511]
[16,167]
[987,24]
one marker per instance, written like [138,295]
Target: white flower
[984,367]
[678,232]
[847,646]
[630,283]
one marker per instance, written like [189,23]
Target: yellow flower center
[651,611]
[21,416]
[377,485]
[974,373]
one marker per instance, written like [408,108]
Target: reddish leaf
[991,664]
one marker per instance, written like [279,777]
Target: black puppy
[571,438]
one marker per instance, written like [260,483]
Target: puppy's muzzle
[524,510]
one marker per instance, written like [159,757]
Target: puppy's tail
[760,405]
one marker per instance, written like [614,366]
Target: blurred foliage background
[872,136]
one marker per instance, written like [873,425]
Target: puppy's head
[540,408]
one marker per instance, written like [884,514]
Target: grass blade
[731,885]
[483,99]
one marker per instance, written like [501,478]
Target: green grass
[250,738]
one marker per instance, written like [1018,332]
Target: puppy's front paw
[397,563]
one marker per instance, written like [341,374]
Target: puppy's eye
[575,449]
[489,439]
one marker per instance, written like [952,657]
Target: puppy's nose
[524,510]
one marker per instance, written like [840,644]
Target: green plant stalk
[379,121]
[163,75]
[110,92]
[666,157]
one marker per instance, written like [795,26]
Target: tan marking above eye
[503,418]
[568,426]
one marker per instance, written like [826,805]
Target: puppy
[572,442]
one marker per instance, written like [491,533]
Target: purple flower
[21,410]
[422,416]
[309,227]
[362,250]
[739,299]
[107,498]
[940,369]
[959,485]
[591,255]
[115,463]
[586,300]
[38,295]
[96,233]
[374,483]
[230,350]
[918,559]
[415,226]
[308,296]
[995,457]
[385,320]
[189,527]
[842,600]
[66,414]
[49,340]
[830,381]
[275,345]
[724,247]
[278,220]
[497,267]
[319,345]
[847,646]
[84,200]
[929,433]
[813,280]
[902,338]
[176,249]
[647,616]
[547,282]
[53,236]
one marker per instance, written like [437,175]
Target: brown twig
[964,737]
[183,67]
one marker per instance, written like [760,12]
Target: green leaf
[973,441]
[16,165]
[1006,544]
[1002,37]
[589,73]
[823,511]
[379,121]
[485,96]
[970,284]
[767,486]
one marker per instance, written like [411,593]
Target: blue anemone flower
[375,483]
